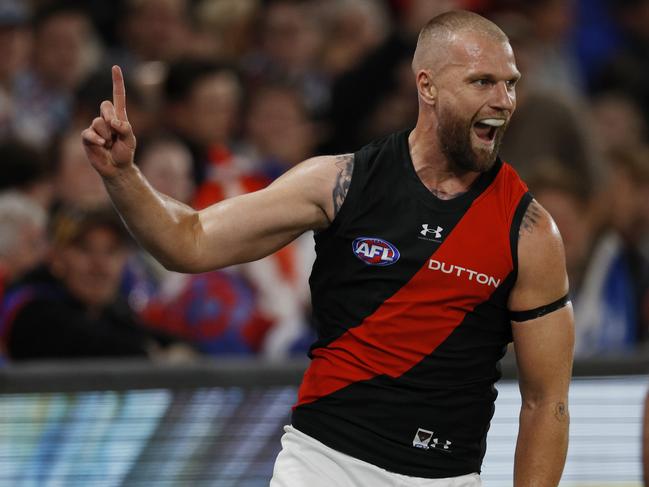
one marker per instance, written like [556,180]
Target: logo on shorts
[375,251]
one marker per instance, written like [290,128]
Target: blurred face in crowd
[356,29]
[553,19]
[290,37]
[91,266]
[156,29]
[628,203]
[14,49]
[26,252]
[279,127]
[76,182]
[168,167]
[418,12]
[59,49]
[616,122]
[475,98]
[210,113]
[30,248]
[572,219]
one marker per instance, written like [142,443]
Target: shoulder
[542,274]
[324,180]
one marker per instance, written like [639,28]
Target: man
[428,248]
[69,308]
[22,236]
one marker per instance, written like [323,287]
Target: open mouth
[487,128]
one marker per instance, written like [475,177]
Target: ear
[426,87]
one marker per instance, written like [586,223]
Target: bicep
[544,341]
[544,348]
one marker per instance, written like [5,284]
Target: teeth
[493,122]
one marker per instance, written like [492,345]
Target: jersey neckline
[427,197]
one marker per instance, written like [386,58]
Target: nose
[504,97]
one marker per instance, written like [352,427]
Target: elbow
[555,404]
[185,255]
[179,266]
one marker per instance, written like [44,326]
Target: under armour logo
[425,231]
[444,445]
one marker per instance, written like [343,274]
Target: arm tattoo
[345,164]
[530,218]
[561,412]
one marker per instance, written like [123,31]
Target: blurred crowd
[226,95]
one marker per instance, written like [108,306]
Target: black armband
[540,311]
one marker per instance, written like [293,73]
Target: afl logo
[375,251]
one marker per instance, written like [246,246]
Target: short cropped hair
[443,26]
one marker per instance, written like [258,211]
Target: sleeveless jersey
[409,300]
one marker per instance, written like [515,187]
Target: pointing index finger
[119,94]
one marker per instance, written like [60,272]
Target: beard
[454,134]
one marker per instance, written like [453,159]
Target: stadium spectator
[291,41]
[353,29]
[555,68]
[153,30]
[202,104]
[279,131]
[61,57]
[22,243]
[167,164]
[573,210]
[75,184]
[616,122]
[230,25]
[626,68]
[609,277]
[375,88]
[70,308]
[14,53]
[22,237]
[26,170]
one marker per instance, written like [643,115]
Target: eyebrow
[488,76]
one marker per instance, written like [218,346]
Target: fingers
[90,137]
[124,132]
[122,128]
[119,93]
[107,111]
[100,126]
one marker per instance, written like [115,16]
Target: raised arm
[543,331]
[237,230]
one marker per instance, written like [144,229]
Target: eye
[482,82]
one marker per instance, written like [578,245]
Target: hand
[109,141]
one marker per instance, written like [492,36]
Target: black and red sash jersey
[409,300]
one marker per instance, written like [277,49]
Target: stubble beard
[455,139]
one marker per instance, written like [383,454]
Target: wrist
[124,176]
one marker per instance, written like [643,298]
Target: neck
[433,167]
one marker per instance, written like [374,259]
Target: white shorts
[305,462]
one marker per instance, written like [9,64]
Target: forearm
[163,226]
[542,444]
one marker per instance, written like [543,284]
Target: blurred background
[225,96]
